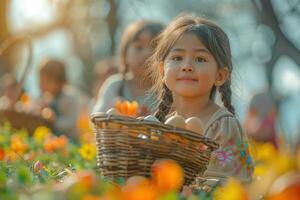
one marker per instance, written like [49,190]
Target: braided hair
[226,93]
[165,104]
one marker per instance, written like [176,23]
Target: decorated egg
[194,124]
[177,121]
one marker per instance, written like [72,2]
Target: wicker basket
[20,120]
[127,146]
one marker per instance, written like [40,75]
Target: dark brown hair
[215,40]
[54,69]
[131,34]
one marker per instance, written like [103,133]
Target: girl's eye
[176,58]
[199,59]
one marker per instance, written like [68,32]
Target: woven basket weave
[127,146]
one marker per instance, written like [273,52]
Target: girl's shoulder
[116,80]
[224,120]
[112,84]
[218,115]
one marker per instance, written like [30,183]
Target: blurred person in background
[57,102]
[135,48]
[103,69]
[8,91]
[260,122]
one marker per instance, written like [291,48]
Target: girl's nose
[187,68]
[187,65]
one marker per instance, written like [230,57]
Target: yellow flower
[40,134]
[87,151]
[283,163]
[260,169]
[233,190]
[2,138]
[264,152]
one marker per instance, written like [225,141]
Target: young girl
[135,48]
[191,63]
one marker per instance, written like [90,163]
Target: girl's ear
[161,69]
[222,76]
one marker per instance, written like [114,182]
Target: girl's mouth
[187,79]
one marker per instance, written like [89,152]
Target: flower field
[44,166]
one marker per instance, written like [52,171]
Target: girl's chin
[187,94]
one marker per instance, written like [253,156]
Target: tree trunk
[282,46]
[112,21]
[4,33]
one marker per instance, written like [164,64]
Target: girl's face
[189,69]
[138,51]
[48,84]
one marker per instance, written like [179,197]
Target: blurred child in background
[8,91]
[260,123]
[136,46]
[102,70]
[56,102]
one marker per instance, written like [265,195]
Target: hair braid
[226,93]
[164,104]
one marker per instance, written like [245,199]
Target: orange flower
[138,187]
[2,154]
[49,146]
[292,193]
[24,98]
[127,108]
[286,186]
[167,175]
[132,108]
[61,142]
[87,179]
[83,123]
[55,143]
[17,145]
